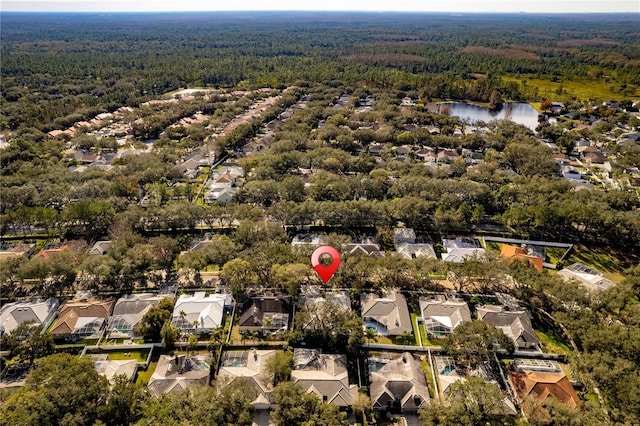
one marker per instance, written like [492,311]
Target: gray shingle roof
[390,310]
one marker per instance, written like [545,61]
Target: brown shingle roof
[72,310]
[544,385]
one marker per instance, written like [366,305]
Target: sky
[506,6]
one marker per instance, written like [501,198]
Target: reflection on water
[519,113]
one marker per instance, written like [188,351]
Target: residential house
[403,149]
[315,299]
[86,158]
[557,107]
[472,157]
[10,251]
[220,194]
[189,167]
[440,316]
[376,149]
[570,172]
[415,250]
[403,235]
[510,252]
[365,246]
[100,248]
[433,130]
[39,312]
[448,373]
[83,318]
[588,277]
[324,375]
[459,249]
[593,158]
[407,102]
[200,313]
[426,154]
[256,146]
[303,242]
[515,323]
[175,374]
[446,156]
[266,314]
[55,133]
[226,182]
[113,368]
[251,366]
[317,295]
[397,383]
[51,249]
[387,315]
[631,137]
[366,105]
[543,385]
[127,315]
[407,247]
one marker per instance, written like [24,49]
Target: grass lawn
[581,88]
[87,342]
[552,345]
[420,330]
[140,356]
[554,254]
[493,246]
[426,369]
[566,369]
[405,341]
[145,375]
[437,342]
[384,340]
[604,259]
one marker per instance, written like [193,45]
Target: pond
[520,113]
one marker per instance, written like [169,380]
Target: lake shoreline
[518,112]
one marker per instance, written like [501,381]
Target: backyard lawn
[606,260]
[552,345]
[140,356]
[145,375]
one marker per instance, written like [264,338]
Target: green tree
[63,390]
[239,275]
[165,250]
[290,276]
[218,405]
[362,406]
[123,405]
[279,367]
[155,318]
[295,407]
[28,342]
[170,335]
[470,402]
[474,342]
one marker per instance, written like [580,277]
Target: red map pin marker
[325,260]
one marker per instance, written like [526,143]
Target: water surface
[520,113]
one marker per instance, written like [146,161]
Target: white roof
[459,255]
[39,311]
[111,369]
[207,310]
[445,320]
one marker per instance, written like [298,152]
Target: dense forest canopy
[56,64]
